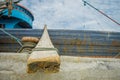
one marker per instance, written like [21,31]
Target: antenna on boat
[10,7]
[86,3]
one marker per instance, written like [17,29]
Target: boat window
[2,25]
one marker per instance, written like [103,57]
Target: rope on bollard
[28,44]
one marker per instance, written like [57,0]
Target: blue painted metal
[20,18]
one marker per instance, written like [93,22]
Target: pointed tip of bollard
[45,26]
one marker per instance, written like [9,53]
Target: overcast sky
[72,14]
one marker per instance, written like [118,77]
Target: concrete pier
[13,67]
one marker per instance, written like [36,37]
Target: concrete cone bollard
[44,57]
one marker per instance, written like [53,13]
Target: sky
[72,14]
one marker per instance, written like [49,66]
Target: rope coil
[28,44]
[45,49]
[27,47]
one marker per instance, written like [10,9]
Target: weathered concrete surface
[13,67]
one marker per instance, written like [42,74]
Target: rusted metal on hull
[73,42]
[70,42]
[87,42]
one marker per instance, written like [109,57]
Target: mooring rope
[45,49]
[113,20]
[15,38]
[117,55]
[27,47]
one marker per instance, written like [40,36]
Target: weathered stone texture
[13,67]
